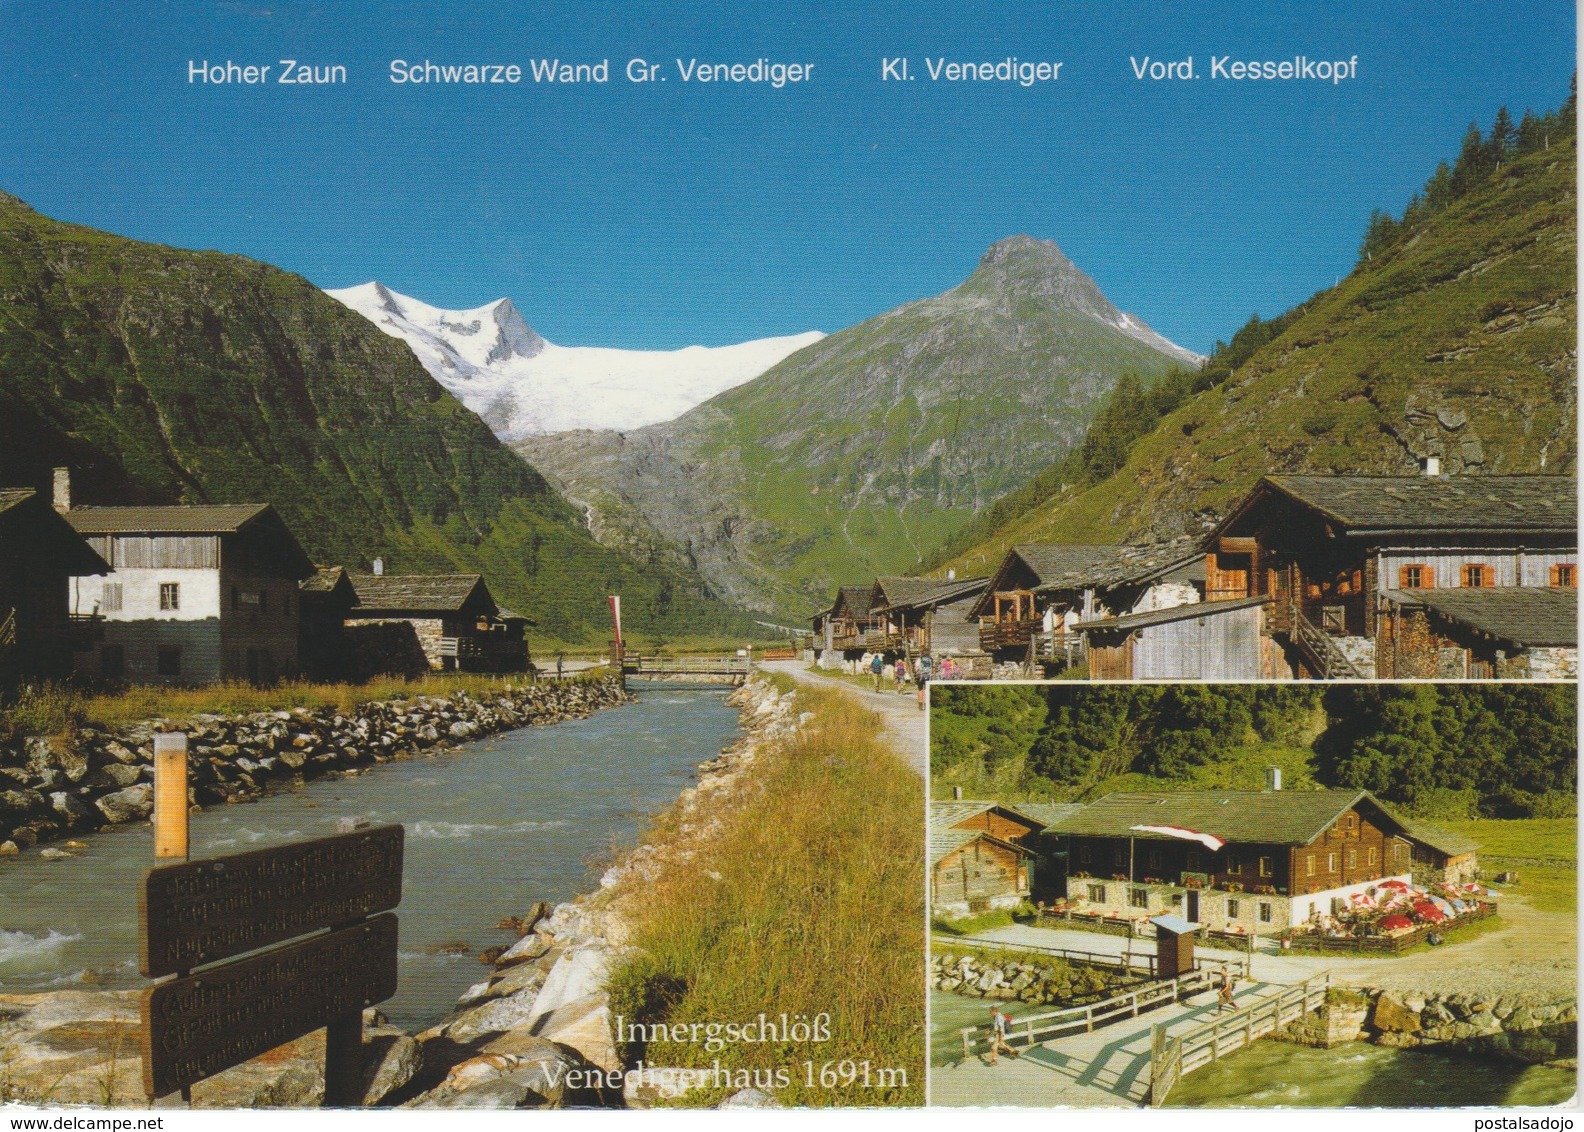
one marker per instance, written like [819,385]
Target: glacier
[491,360]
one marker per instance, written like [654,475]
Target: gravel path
[904,723]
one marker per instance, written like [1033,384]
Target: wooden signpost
[201,912]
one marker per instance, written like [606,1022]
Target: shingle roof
[1053,563]
[1164,616]
[1526,616]
[324,580]
[1049,813]
[10,497]
[946,840]
[29,518]
[917,593]
[1123,565]
[1270,817]
[1452,844]
[202,519]
[855,598]
[1439,503]
[438,593]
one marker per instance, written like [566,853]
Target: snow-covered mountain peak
[522,385]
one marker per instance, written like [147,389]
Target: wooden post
[344,1061]
[170,795]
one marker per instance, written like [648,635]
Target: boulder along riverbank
[53,788]
[521,1037]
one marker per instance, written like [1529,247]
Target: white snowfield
[494,363]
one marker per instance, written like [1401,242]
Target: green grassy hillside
[169,376]
[1456,340]
[859,454]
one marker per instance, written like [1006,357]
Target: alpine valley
[859,454]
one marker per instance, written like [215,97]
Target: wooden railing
[1037,1028]
[995,635]
[1329,660]
[1173,1058]
[1142,964]
[687,665]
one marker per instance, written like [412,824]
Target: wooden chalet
[848,628]
[927,615]
[1066,587]
[977,860]
[1032,592]
[1357,571]
[41,559]
[1219,640]
[1439,855]
[196,594]
[976,869]
[1252,861]
[457,622]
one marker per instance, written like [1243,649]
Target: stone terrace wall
[49,789]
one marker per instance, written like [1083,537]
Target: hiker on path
[901,674]
[922,676]
[1224,994]
[998,1035]
[877,666]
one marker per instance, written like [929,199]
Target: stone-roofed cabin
[845,631]
[458,623]
[1067,587]
[977,860]
[927,614]
[1396,577]
[41,559]
[1256,861]
[196,594]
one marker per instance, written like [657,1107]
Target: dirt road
[904,723]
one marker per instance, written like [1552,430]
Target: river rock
[1392,1016]
[749,1098]
[73,812]
[391,1058]
[131,804]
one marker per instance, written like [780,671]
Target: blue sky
[658,215]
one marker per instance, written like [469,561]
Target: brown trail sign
[203,911]
[206,1023]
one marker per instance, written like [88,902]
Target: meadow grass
[806,899]
[1542,851]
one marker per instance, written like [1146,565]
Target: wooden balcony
[997,635]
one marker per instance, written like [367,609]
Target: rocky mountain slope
[169,376]
[860,453]
[492,361]
[1459,342]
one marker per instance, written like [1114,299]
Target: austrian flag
[1208,840]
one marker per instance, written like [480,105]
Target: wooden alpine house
[1394,577]
[458,623]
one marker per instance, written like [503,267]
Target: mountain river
[526,815]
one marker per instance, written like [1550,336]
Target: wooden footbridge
[733,668]
[1129,1049]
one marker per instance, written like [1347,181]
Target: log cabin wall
[980,874]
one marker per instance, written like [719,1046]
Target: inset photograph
[1253,895]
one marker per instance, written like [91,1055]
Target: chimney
[379,567]
[60,494]
[1432,465]
[1273,778]
[957,793]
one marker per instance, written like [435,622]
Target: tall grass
[808,899]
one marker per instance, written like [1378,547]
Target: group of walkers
[920,670]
